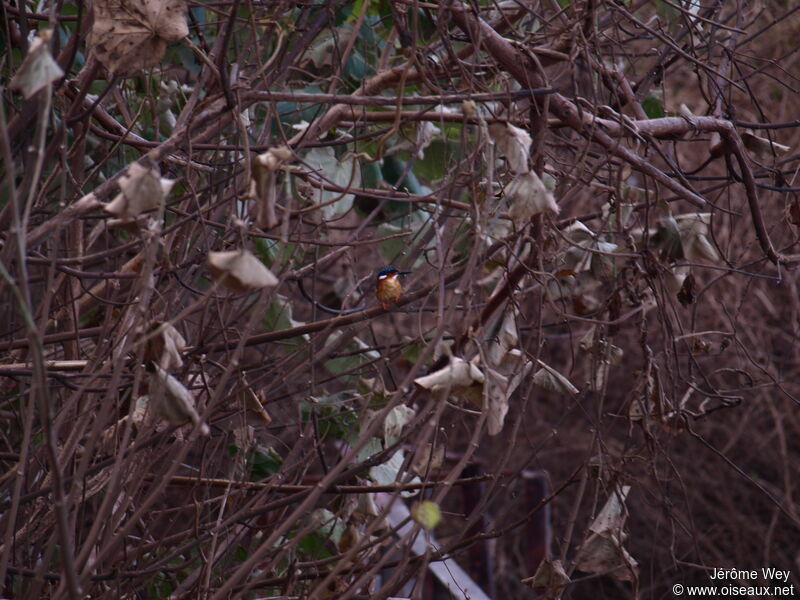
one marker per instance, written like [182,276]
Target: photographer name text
[767,573]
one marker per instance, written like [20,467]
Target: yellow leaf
[427,514]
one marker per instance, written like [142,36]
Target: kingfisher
[388,288]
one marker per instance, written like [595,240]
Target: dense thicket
[589,382]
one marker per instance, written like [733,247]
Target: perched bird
[388,288]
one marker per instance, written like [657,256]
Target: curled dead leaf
[686,295]
[393,425]
[514,143]
[173,401]
[255,403]
[612,516]
[131,226]
[603,552]
[550,379]
[587,342]
[240,270]
[457,374]
[650,405]
[469,108]
[351,537]
[529,196]
[164,346]
[792,209]
[141,189]
[717,146]
[549,577]
[502,338]
[675,277]
[427,457]
[273,159]
[130,35]
[693,232]
[264,186]
[39,67]
[500,387]
[762,147]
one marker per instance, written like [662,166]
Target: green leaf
[371,178]
[668,237]
[391,249]
[335,416]
[263,462]
[159,586]
[371,448]
[278,316]
[386,473]
[352,16]
[292,113]
[240,554]
[411,351]
[371,175]
[345,173]
[393,169]
[439,154]
[314,546]
[653,107]
[350,356]
[356,68]
[320,543]
[266,250]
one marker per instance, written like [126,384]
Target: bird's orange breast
[388,290]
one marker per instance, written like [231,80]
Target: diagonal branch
[518,65]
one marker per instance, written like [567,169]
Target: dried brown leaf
[550,577]
[141,189]
[529,197]
[130,35]
[761,147]
[458,374]
[39,67]
[264,184]
[550,379]
[427,457]
[514,143]
[240,270]
[603,552]
[254,402]
[175,403]
[165,346]
[500,388]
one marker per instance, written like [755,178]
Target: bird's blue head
[390,272]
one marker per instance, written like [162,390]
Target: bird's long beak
[403,272]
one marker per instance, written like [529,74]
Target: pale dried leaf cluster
[130,35]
